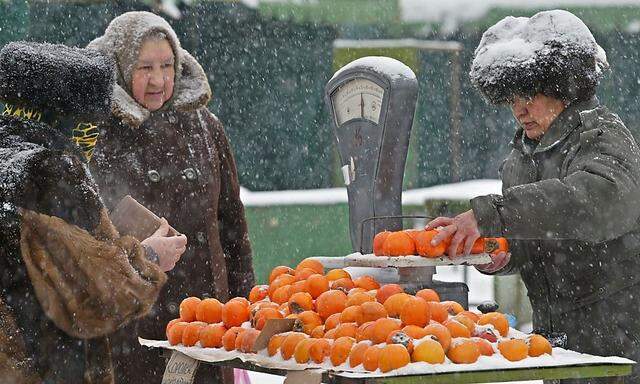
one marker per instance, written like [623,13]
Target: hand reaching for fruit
[169,249]
[462,229]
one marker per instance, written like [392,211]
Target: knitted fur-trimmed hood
[123,40]
[552,52]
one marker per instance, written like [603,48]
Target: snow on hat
[552,53]
[123,39]
[56,78]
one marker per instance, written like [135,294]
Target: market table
[563,364]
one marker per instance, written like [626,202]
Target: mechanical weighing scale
[372,101]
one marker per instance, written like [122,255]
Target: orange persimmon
[399,244]
[319,350]
[188,308]
[277,271]
[211,335]
[234,313]
[428,351]
[341,349]
[415,311]
[258,292]
[424,247]
[311,264]
[330,302]
[209,311]
[386,291]
[378,243]
[463,351]
[513,349]
[393,356]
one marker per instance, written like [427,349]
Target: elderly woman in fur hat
[570,203]
[164,148]
[67,279]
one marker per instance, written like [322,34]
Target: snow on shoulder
[392,68]
[531,46]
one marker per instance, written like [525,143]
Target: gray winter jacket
[570,209]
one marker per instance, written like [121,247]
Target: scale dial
[357,99]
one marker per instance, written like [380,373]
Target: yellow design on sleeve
[85,135]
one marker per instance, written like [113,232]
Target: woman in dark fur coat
[67,278]
[167,150]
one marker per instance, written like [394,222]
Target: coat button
[201,237]
[189,174]
[154,176]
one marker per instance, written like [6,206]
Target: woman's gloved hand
[168,248]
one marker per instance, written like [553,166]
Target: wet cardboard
[308,376]
[272,327]
[181,369]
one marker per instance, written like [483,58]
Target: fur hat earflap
[56,78]
[552,53]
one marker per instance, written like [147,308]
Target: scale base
[413,279]
[455,291]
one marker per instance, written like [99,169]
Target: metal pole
[454,106]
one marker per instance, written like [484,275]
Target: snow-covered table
[372,261]
[563,364]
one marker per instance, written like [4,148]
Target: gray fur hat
[552,53]
[56,78]
[123,40]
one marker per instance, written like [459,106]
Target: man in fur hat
[570,203]
[67,278]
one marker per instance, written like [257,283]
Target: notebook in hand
[134,219]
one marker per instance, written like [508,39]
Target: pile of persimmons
[418,242]
[349,322]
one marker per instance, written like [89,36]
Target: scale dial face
[357,99]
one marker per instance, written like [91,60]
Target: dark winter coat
[570,209]
[67,279]
[177,162]
[58,256]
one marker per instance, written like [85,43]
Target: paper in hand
[134,219]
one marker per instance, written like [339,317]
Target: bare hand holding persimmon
[461,229]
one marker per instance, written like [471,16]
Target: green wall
[286,234]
